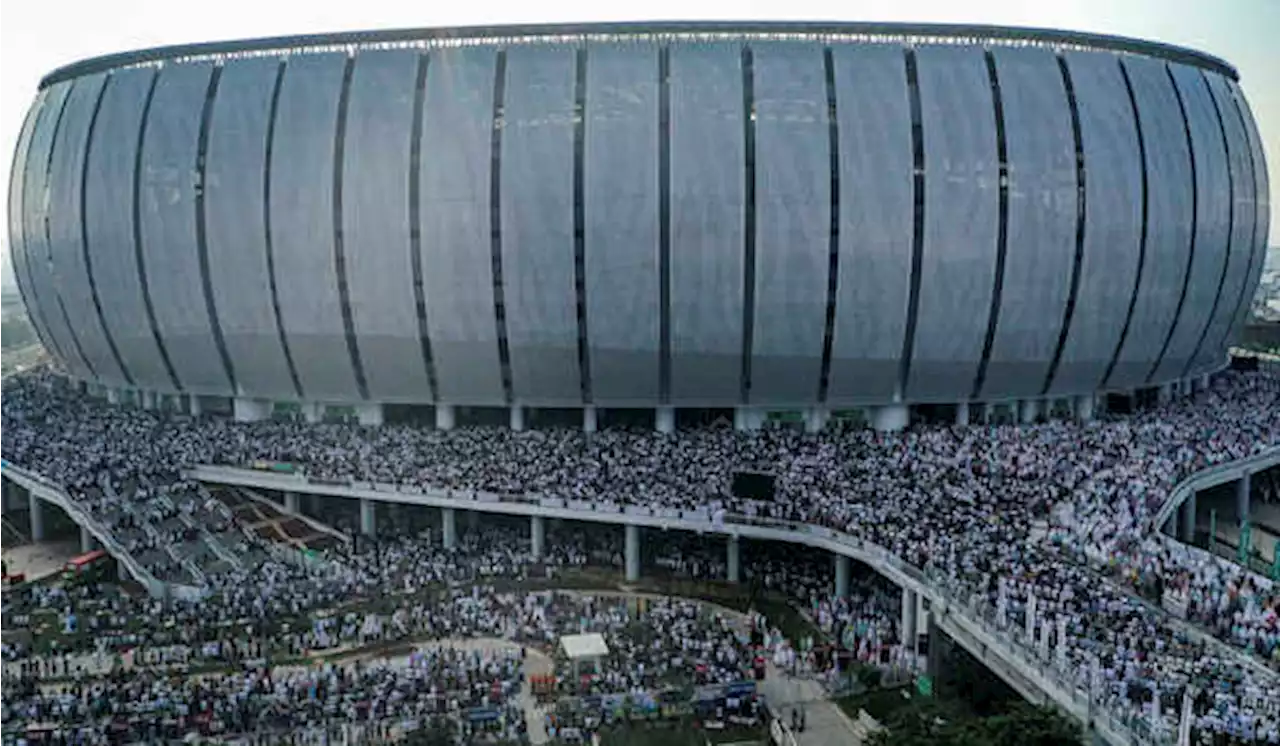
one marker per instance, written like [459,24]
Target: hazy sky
[39,35]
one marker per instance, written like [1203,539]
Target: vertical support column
[1205,382]
[312,412]
[1028,411]
[842,576]
[1084,407]
[1242,497]
[517,417]
[368,517]
[589,423]
[369,414]
[908,629]
[113,396]
[890,418]
[1188,509]
[193,405]
[449,521]
[538,535]
[444,416]
[734,559]
[86,540]
[36,507]
[291,502]
[962,413]
[664,420]
[815,419]
[633,553]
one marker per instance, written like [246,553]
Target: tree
[929,723]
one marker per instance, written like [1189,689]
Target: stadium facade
[761,216]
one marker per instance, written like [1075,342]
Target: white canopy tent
[589,647]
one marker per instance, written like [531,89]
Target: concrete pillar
[815,419]
[1188,509]
[1242,497]
[248,410]
[113,396]
[1084,407]
[444,416]
[908,628]
[194,407]
[36,507]
[1028,411]
[734,559]
[744,418]
[312,412]
[665,419]
[589,423]
[291,502]
[517,418]
[369,413]
[368,517]
[962,413]
[449,519]
[633,553]
[842,575]
[86,540]
[1204,382]
[538,534]
[890,418]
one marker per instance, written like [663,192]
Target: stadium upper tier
[684,214]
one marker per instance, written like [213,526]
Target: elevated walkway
[966,619]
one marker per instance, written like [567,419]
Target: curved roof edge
[480,33]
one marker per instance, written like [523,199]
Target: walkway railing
[1211,477]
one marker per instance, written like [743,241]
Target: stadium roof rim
[577,33]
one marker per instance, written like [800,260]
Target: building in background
[783,219]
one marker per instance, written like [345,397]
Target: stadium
[646,384]
[797,219]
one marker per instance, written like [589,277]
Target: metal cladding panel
[1262,209]
[235,227]
[302,165]
[457,127]
[620,192]
[375,224]
[1212,352]
[1212,221]
[793,208]
[877,216]
[1113,219]
[18,229]
[66,244]
[961,222]
[707,198]
[37,219]
[1041,166]
[1169,212]
[109,222]
[167,196]
[537,226]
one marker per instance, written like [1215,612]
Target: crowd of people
[1049,523]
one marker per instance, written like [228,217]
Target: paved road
[825,723]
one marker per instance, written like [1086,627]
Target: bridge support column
[962,413]
[890,418]
[86,540]
[449,520]
[664,419]
[113,396]
[36,507]
[1084,407]
[1028,411]
[937,643]
[368,517]
[291,502]
[843,570]
[1242,497]
[589,420]
[193,405]
[734,559]
[538,535]
[444,416]
[517,418]
[633,553]
[910,600]
[1188,533]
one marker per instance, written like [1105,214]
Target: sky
[37,36]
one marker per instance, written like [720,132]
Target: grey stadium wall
[776,215]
